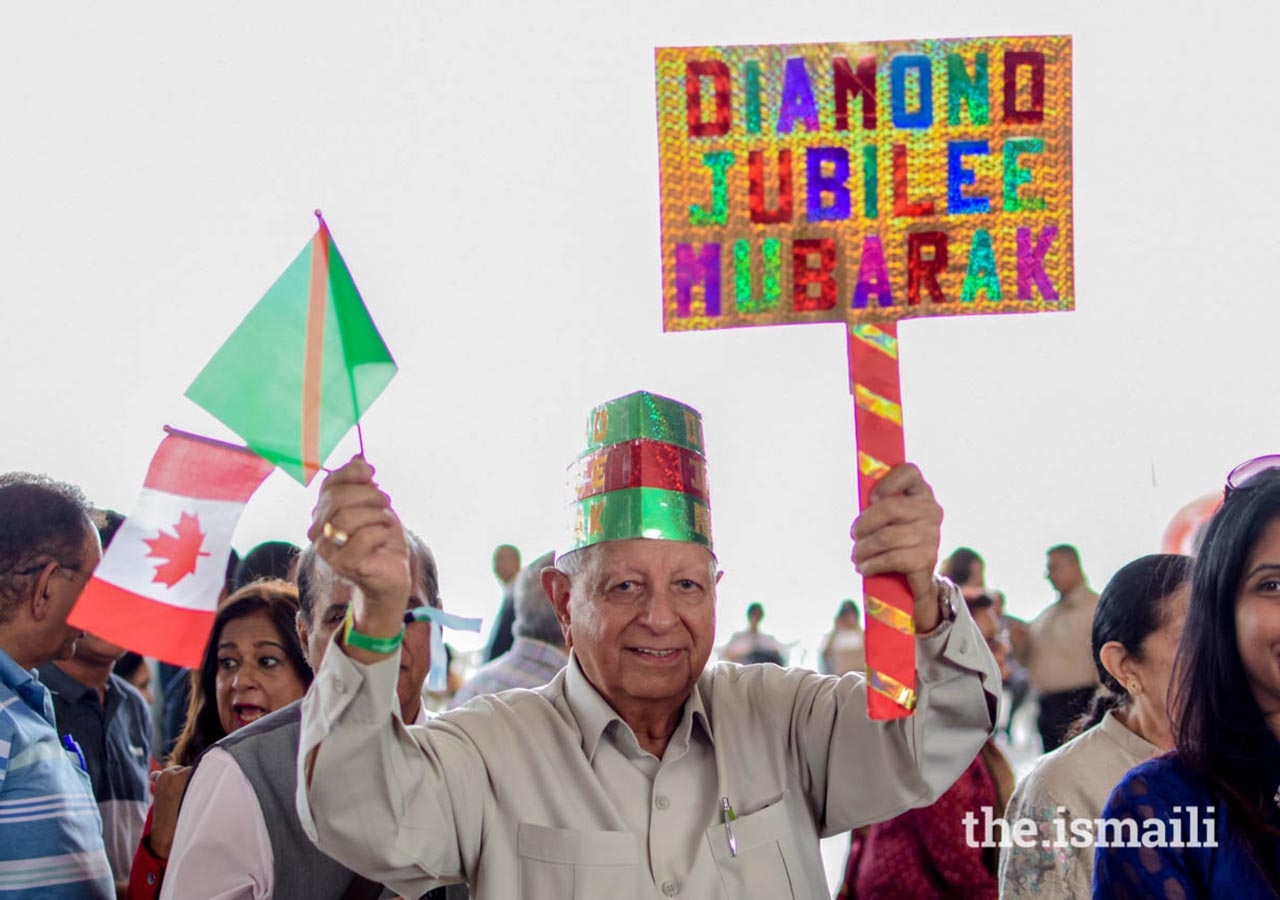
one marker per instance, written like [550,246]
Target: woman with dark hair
[1208,815]
[1136,627]
[252,665]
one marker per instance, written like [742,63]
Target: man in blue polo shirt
[110,721]
[50,830]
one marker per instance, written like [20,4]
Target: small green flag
[302,367]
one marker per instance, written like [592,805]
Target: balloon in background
[1184,530]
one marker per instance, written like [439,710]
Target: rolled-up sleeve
[857,771]
[376,797]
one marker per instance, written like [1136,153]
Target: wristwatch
[946,606]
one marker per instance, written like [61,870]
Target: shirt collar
[594,715]
[1130,741]
[12,675]
[62,684]
[27,685]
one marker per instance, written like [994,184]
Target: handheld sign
[862,184]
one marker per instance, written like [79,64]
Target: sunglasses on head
[1246,470]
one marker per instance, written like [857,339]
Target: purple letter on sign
[834,184]
[797,98]
[873,280]
[1031,263]
[704,268]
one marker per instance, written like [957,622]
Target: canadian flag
[156,589]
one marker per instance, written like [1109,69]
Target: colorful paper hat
[643,474]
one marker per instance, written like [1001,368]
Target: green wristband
[353,638]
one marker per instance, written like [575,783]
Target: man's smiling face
[641,620]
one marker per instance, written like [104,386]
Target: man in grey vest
[238,835]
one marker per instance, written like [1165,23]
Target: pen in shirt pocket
[727,815]
[74,749]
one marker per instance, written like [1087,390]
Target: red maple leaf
[179,550]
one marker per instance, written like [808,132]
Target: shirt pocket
[558,864]
[761,867]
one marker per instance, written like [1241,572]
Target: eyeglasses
[1246,470]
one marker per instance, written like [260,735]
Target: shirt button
[339,685]
[662,801]
[151,878]
[670,888]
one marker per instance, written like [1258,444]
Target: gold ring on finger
[337,535]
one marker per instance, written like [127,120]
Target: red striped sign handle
[887,601]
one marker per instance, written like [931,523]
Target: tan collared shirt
[1068,785]
[546,794]
[1060,652]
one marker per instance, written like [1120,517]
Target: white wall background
[489,171]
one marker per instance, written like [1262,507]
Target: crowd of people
[598,752]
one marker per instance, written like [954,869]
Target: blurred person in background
[135,669]
[1135,635]
[752,645]
[270,560]
[969,571]
[506,565]
[538,652]
[1056,648]
[844,647]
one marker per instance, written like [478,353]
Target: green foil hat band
[644,415]
[641,513]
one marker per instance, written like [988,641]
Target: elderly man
[50,830]
[637,772]
[107,717]
[538,652]
[238,836]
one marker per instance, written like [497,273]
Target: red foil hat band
[640,463]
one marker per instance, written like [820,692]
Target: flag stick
[350,375]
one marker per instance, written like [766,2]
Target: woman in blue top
[1207,816]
